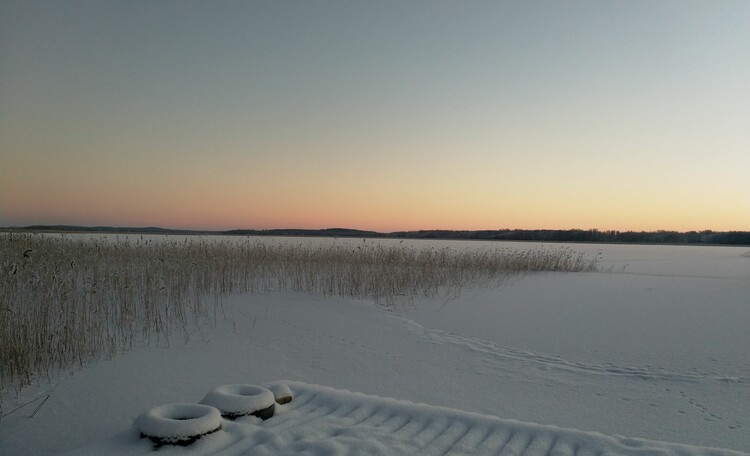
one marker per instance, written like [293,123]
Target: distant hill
[592,236]
[104,229]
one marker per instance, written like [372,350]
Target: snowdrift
[326,421]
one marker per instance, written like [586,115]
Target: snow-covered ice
[655,349]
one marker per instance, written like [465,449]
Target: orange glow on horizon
[211,213]
[380,200]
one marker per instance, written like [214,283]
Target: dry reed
[65,301]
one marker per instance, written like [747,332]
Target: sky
[380,115]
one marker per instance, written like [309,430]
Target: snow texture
[239,399]
[326,421]
[178,421]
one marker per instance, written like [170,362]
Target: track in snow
[491,350]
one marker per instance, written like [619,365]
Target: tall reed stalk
[66,301]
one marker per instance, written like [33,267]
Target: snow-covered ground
[325,421]
[657,348]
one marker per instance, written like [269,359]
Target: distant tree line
[640,237]
[596,236]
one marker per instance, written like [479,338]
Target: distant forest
[594,236]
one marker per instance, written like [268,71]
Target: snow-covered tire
[234,401]
[178,424]
[281,392]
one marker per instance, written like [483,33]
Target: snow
[655,349]
[239,399]
[281,392]
[326,421]
[178,421]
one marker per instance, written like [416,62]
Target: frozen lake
[654,346]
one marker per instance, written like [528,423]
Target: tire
[234,401]
[178,424]
[281,392]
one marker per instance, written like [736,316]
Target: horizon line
[333,228]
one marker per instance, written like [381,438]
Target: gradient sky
[384,115]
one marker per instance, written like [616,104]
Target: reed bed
[65,301]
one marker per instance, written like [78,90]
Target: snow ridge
[322,420]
